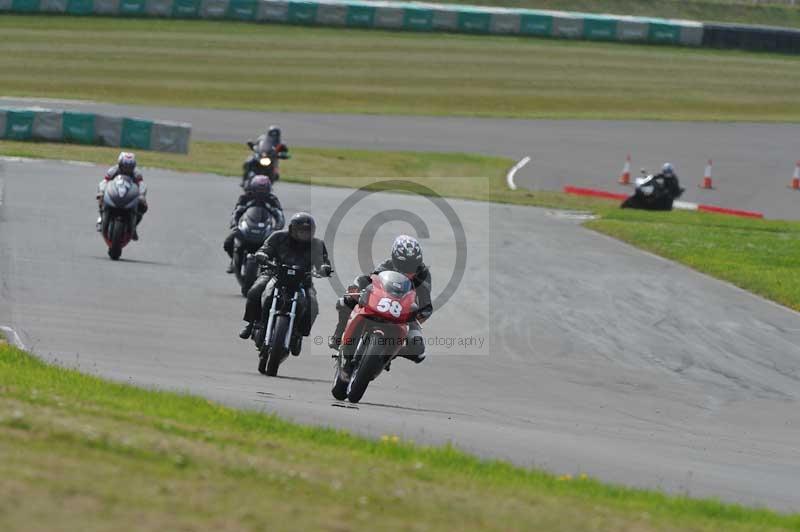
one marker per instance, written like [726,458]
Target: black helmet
[406,254]
[126,162]
[302,227]
[274,134]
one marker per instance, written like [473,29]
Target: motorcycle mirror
[250,144]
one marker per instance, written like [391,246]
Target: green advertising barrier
[242,10]
[19,125]
[474,21]
[412,16]
[132,8]
[600,28]
[302,13]
[25,6]
[135,133]
[535,24]
[186,8]
[417,19]
[78,128]
[664,33]
[96,129]
[360,16]
[80,7]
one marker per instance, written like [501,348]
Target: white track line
[13,337]
[510,175]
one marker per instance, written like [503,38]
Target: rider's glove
[261,258]
[325,270]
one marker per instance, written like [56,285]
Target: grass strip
[758,255]
[82,453]
[285,68]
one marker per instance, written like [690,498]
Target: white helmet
[126,162]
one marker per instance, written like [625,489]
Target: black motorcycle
[263,161]
[276,337]
[654,193]
[255,226]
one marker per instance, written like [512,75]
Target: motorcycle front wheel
[116,231]
[369,367]
[277,351]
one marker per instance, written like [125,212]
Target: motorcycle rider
[126,165]
[257,191]
[296,246]
[406,258]
[273,141]
[670,179]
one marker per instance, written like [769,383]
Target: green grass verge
[483,176]
[81,453]
[740,11]
[251,66]
[757,255]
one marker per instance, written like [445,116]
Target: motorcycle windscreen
[121,193]
[256,222]
[394,283]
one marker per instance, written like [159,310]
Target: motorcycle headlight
[265,161]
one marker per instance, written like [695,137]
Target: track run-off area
[594,357]
[753,163]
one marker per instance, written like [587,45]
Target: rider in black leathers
[406,258]
[298,247]
[671,184]
[258,191]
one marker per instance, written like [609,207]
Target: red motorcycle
[375,333]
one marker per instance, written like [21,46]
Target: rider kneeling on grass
[406,258]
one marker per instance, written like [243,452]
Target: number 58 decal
[391,306]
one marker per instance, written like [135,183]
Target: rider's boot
[135,235]
[416,359]
[296,344]
[246,331]
[230,267]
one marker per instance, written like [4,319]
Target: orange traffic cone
[707,177]
[795,185]
[625,178]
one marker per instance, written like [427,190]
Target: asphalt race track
[753,163]
[597,357]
